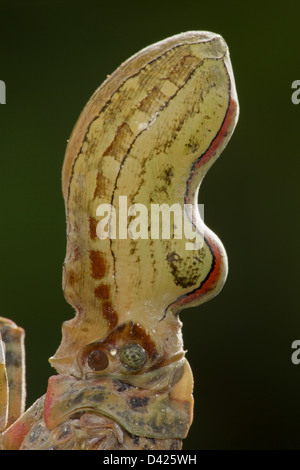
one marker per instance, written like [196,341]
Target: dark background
[53,55]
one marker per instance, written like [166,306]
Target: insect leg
[12,372]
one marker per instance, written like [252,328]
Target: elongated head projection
[147,136]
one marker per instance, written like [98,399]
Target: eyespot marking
[98,360]
[133,356]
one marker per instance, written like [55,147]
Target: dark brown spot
[102,291]
[110,314]
[97,264]
[192,145]
[138,402]
[185,271]
[168,174]
[93,226]
[172,257]
[98,360]
[98,397]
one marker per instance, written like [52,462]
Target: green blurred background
[53,55]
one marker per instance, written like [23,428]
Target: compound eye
[133,356]
[97,360]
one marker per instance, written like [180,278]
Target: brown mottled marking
[97,264]
[102,291]
[150,104]
[132,250]
[137,332]
[110,314]
[102,183]
[72,278]
[173,257]
[120,142]
[120,386]
[13,359]
[93,226]
[174,134]
[168,174]
[76,253]
[183,69]
[138,402]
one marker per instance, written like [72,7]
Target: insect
[147,136]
